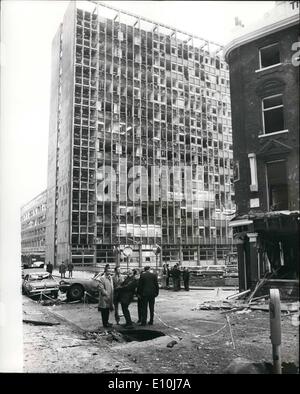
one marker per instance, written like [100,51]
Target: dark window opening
[269,56]
[273,117]
[277,185]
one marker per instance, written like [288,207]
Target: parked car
[29,270]
[38,264]
[212,271]
[37,282]
[231,271]
[75,287]
[231,258]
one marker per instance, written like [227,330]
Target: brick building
[264,75]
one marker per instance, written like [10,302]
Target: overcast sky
[27,31]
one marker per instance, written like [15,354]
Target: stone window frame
[261,68]
[263,110]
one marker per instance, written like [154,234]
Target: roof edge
[258,33]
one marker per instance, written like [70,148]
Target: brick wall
[247,89]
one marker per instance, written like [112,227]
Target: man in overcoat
[106,293]
[147,290]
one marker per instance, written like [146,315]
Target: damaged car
[75,288]
[38,283]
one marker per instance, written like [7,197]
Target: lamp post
[117,254]
[127,251]
[157,251]
[275,328]
[140,251]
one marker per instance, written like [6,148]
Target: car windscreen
[34,277]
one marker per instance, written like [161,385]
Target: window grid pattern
[152,100]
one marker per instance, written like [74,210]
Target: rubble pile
[234,304]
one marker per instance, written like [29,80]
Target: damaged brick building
[264,75]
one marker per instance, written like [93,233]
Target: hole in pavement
[289,368]
[286,368]
[140,335]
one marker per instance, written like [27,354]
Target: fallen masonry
[237,306]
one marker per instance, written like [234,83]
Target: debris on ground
[110,336]
[243,366]
[95,335]
[238,295]
[40,322]
[116,336]
[62,296]
[217,305]
[51,302]
[240,306]
[117,370]
[172,344]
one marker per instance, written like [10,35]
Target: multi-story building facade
[264,75]
[140,146]
[33,229]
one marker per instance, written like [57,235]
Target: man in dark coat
[49,267]
[147,290]
[176,277]
[62,270]
[167,276]
[118,279]
[125,296]
[139,304]
[186,278]
[70,267]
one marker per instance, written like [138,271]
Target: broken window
[277,185]
[273,117]
[269,55]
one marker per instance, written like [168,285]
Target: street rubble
[242,307]
[212,337]
[244,302]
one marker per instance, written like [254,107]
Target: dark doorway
[277,185]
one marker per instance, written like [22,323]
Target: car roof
[35,271]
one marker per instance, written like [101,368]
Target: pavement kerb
[65,320]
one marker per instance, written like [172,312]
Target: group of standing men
[62,269]
[175,273]
[120,289]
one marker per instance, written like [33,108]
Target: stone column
[198,255]
[180,254]
[140,256]
[118,257]
[253,257]
[241,265]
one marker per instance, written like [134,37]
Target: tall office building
[33,229]
[140,150]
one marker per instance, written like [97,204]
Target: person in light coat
[106,294]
